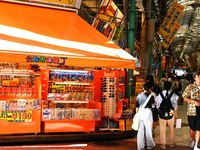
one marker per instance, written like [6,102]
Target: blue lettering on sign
[35,59]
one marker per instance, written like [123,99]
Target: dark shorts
[194,122]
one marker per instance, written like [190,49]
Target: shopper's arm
[191,101]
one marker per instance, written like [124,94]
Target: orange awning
[27,30]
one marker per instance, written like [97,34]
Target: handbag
[155,114]
[135,123]
[136,117]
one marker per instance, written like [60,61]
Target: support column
[148,26]
[131,37]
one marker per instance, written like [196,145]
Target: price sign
[62,3]
[16,116]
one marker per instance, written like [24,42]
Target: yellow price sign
[16,116]
[65,2]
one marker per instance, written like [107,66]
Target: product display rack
[58,100]
[20,107]
[68,101]
[111,97]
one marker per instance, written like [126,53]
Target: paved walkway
[182,137]
[126,140]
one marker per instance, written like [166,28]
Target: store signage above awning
[27,30]
[59,3]
[46,59]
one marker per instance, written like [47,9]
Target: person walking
[155,91]
[164,99]
[156,88]
[144,134]
[191,95]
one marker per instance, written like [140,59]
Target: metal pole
[150,57]
[151,31]
[131,37]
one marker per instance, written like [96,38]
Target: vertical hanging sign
[170,25]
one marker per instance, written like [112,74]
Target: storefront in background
[49,71]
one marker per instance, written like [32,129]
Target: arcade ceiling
[186,42]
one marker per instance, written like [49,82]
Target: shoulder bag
[135,123]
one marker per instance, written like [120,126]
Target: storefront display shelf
[20,104]
[70,98]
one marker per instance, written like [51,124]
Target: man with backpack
[167,105]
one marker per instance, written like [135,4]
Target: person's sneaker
[196,148]
[192,143]
[172,145]
[162,147]
[150,147]
[198,145]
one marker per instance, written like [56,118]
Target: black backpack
[166,110]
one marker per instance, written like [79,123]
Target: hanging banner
[170,25]
[108,17]
[168,35]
